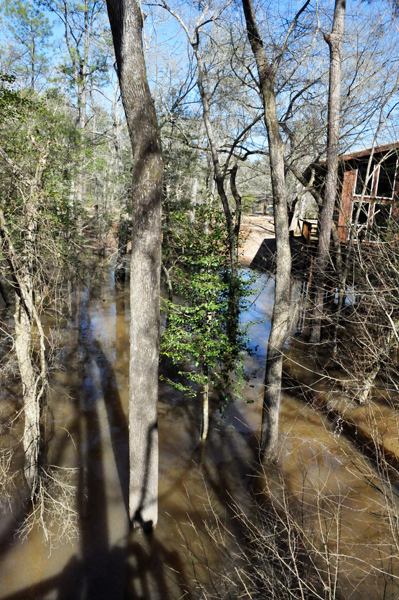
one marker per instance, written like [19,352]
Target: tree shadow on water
[103,567]
[142,576]
[118,426]
[154,572]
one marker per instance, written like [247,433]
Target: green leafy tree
[196,336]
[29,31]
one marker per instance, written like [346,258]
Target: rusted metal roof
[367,151]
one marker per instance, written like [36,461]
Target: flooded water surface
[328,485]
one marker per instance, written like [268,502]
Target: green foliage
[33,130]
[197,333]
[29,32]
[12,103]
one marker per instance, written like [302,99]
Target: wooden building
[368,192]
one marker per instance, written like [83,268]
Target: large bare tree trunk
[335,41]
[126,24]
[281,308]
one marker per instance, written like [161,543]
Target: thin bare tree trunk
[218,172]
[205,411]
[217,169]
[126,24]
[308,185]
[193,200]
[34,382]
[281,308]
[335,42]
[22,268]
[31,436]
[194,190]
[123,239]
[367,385]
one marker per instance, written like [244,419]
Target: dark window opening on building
[386,179]
[382,212]
[361,179]
[363,215]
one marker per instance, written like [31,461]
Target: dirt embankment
[254,230]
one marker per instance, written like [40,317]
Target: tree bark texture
[335,42]
[31,437]
[126,24]
[281,308]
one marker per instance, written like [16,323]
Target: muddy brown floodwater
[324,473]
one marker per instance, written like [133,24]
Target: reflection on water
[89,401]
[90,398]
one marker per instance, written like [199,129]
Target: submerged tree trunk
[281,308]
[126,24]
[335,41]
